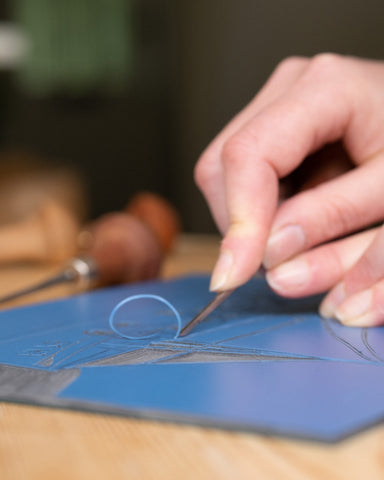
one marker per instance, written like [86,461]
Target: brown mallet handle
[124,249]
[159,214]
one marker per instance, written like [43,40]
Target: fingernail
[332,301]
[289,275]
[367,320]
[354,308]
[283,244]
[221,272]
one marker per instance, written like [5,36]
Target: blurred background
[127,93]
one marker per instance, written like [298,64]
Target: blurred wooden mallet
[158,214]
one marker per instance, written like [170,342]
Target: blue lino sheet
[259,362]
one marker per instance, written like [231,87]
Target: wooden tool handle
[126,246]
[159,215]
[124,249]
[129,246]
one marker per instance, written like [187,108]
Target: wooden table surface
[42,443]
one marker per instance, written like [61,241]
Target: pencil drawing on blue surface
[258,362]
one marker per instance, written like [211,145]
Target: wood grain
[40,443]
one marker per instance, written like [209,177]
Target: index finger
[269,146]
[208,171]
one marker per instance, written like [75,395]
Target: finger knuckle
[233,151]
[340,215]
[203,171]
[333,261]
[326,64]
[290,64]
[370,266]
[327,60]
[361,276]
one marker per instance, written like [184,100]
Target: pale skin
[305,104]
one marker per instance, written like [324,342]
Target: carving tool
[212,305]
[120,248]
[79,270]
[123,249]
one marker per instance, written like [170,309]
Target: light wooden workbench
[45,444]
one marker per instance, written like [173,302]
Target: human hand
[306,104]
